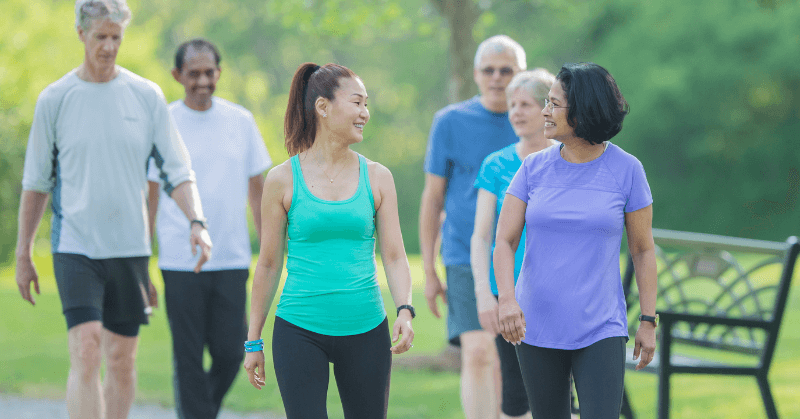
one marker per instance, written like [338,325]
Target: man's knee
[121,364]
[478,350]
[85,349]
[120,354]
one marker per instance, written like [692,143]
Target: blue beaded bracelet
[254,345]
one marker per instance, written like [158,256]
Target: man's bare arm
[31,209]
[153,195]
[429,227]
[188,199]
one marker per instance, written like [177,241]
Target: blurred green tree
[715,97]
[713,87]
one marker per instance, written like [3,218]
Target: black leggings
[598,371]
[361,364]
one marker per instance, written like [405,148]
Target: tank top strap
[297,178]
[364,181]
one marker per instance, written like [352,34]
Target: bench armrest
[668,318]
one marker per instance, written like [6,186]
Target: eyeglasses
[551,105]
[504,71]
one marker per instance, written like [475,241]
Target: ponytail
[310,82]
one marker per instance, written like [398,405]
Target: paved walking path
[21,408]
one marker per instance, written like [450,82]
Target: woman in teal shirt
[330,201]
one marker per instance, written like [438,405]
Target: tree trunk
[461,16]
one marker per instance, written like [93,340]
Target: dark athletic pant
[515,399]
[361,365]
[205,310]
[598,371]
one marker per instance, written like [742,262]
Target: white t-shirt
[227,150]
[89,147]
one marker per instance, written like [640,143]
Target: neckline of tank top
[327,201]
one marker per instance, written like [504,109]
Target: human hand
[254,365]
[25,274]
[645,344]
[402,327]
[200,238]
[152,295]
[512,321]
[487,311]
[434,288]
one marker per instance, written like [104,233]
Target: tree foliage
[715,96]
[713,87]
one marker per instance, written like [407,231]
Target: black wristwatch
[202,221]
[651,319]
[409,308]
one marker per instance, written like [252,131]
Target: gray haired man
[92,135]
[462,135]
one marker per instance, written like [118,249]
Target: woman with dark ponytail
[330,201]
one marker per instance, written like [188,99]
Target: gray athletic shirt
[89,146]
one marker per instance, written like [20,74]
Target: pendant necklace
[326,173]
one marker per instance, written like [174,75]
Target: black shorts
[113,291]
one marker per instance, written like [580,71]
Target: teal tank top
[331,285]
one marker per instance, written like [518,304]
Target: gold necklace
[326,173]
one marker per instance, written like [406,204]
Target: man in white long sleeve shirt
[92,135]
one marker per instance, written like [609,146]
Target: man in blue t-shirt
[461,136]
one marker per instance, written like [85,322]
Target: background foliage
[713,87]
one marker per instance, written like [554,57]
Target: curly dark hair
[596,106]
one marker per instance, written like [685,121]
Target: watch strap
[202,221]
[409,308]
[651,319]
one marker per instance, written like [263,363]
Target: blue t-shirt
[570,288]
[462,135]
[495,175]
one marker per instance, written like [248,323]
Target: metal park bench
[717,296]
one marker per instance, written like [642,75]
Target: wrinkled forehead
[501,58]
[106,26]
[199,57]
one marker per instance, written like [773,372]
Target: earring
[324,115]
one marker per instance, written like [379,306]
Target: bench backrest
[719,276]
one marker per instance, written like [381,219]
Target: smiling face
[525,114]
[555,115]
[347,113]
[492,75]
[101,44]
[199,76]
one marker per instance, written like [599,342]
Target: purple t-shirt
[570,287]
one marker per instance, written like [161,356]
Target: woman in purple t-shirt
[567,313]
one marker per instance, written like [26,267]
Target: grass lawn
[34,361]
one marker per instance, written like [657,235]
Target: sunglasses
[504,71]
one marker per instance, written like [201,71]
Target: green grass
[33,355]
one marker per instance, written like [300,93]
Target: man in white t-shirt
[93,132]
[207,309]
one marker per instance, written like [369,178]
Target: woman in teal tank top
[326,205]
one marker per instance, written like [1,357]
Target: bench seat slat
[680,360]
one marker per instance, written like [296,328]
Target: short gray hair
[498,44]
[116,11]
[536,83]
